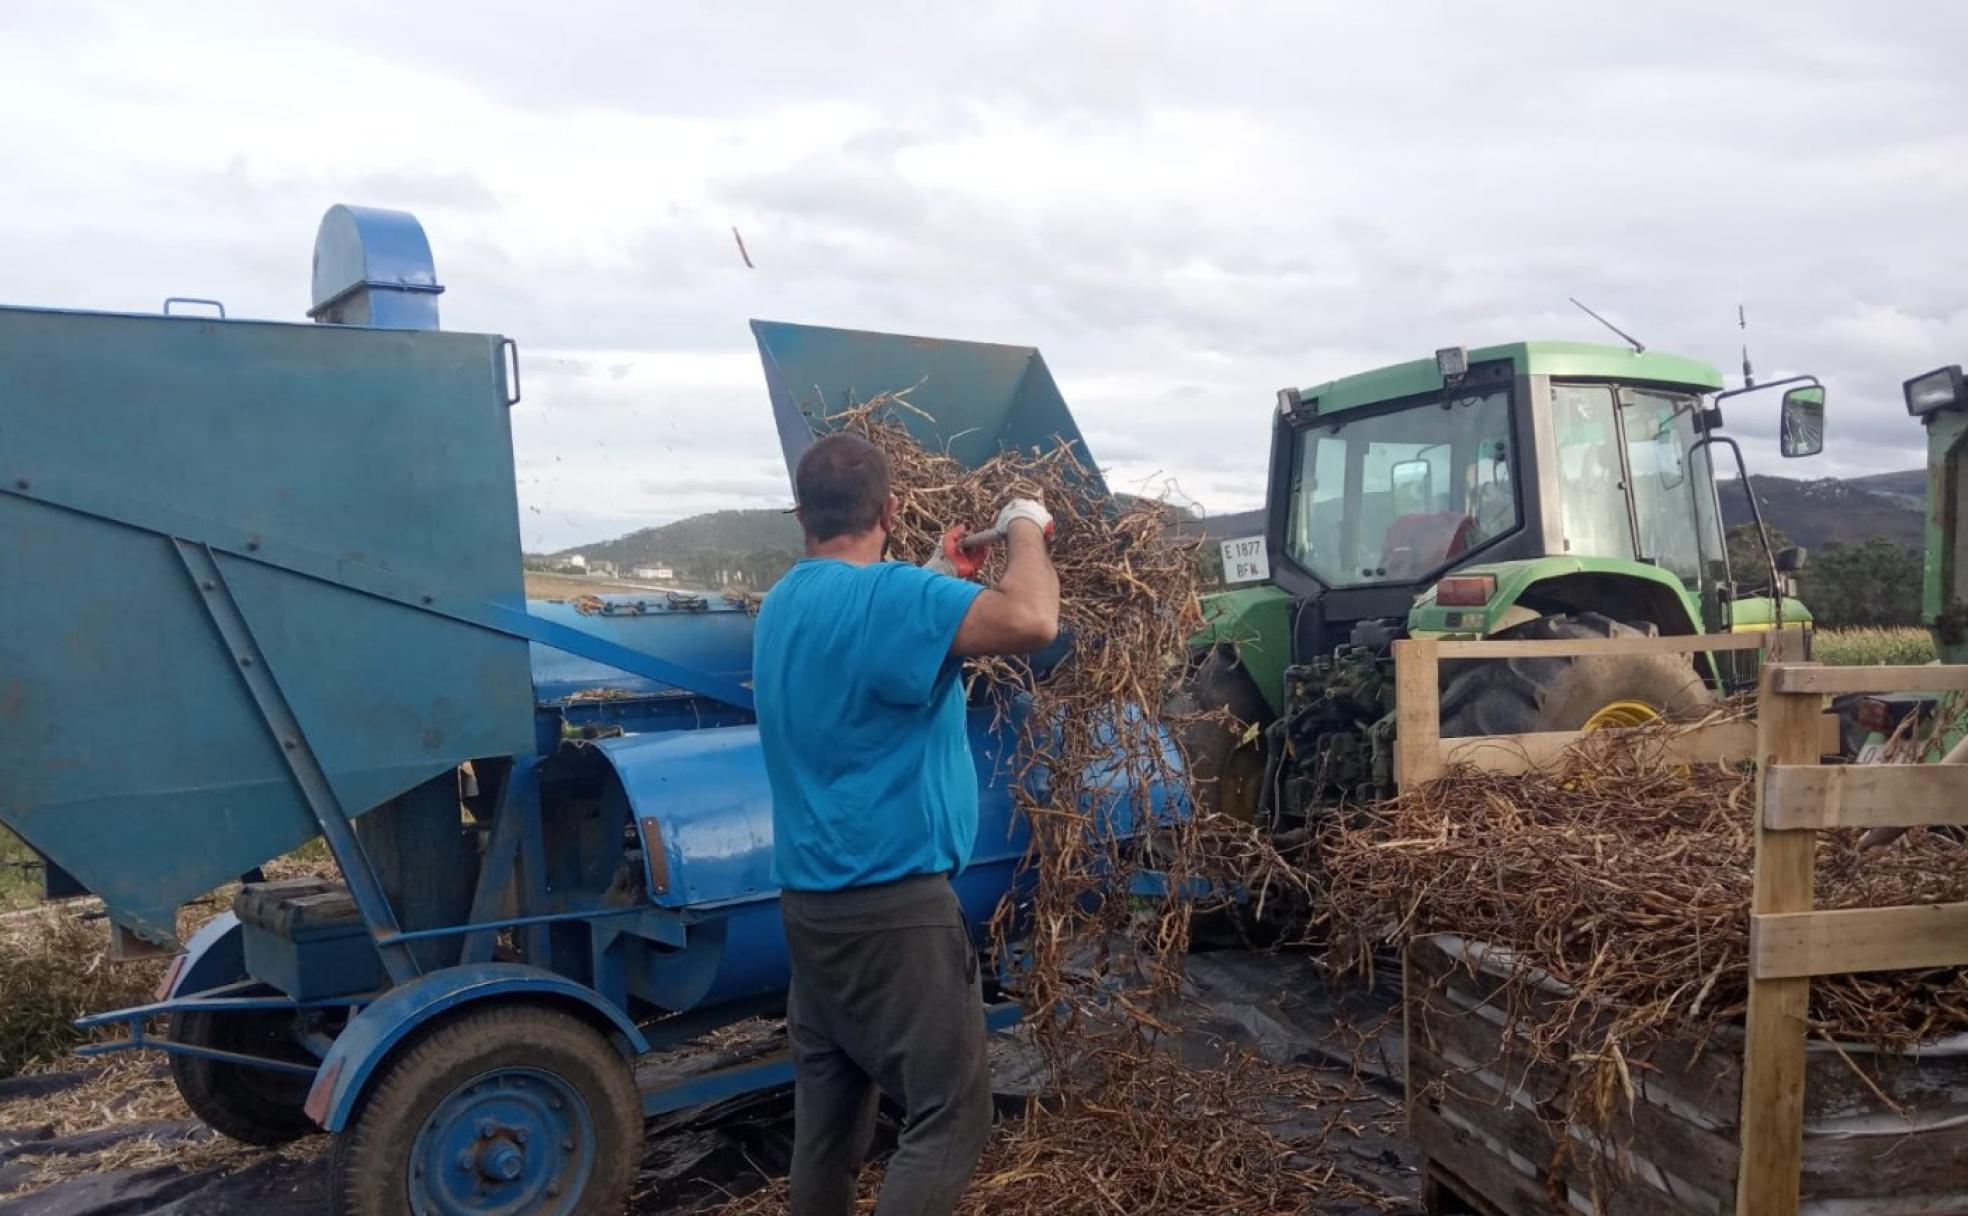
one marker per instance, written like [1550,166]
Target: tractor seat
[1419,542]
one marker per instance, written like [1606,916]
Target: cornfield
[1870,646]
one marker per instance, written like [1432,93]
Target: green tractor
[1939,399]
[1532,490]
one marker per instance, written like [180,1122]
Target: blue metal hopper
[982,398]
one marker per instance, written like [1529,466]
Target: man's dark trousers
[885,998]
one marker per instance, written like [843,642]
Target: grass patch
[1872,646]
[20,873]
[54,958]
[54,968]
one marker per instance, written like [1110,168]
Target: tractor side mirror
[1791,560]
[1802,428]
[1412,482]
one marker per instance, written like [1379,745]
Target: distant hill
[1817,513]
[733,532]
[1811,513]
[1910,486]
[1227,527]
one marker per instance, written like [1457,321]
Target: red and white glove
[1024,508]
[953,559]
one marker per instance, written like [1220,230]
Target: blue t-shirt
[861,717]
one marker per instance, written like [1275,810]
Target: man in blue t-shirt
[857,678]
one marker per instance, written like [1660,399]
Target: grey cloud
[1271,194]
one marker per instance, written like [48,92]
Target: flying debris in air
[741,248]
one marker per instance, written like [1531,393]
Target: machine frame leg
[309,777]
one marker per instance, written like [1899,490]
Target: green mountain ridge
[1814,513]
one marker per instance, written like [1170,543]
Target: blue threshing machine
[262,582]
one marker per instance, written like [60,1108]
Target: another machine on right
[1940,400]
[1535,490]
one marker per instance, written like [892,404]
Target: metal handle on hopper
[511,350]
[170,300]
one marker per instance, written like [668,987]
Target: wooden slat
[1866,795]
[1417,711]
[1858,939]
[1773,1057]
[1559,648]
[1725,742]
[1835,681]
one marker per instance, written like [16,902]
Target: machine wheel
[251,1105]
[1521,696]
[507,1109]
[1229,770]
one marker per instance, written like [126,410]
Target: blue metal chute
[704,632]
[981,398]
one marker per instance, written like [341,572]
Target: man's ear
[888,511]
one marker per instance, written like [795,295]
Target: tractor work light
[1875,715]
[1939,389]
[1465,590]
[1288,402]
[1452,362]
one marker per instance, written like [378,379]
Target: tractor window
[1592,509]
[1672,500]
[1394,497]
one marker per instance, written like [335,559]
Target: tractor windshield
[1394,497]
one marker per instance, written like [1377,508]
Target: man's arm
[1020,614]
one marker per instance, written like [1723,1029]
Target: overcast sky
[1185,206]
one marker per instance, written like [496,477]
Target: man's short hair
[842,485]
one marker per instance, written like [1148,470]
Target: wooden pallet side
[1791,940]
[1421,754]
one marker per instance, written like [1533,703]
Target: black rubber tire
[1227,770]
[250,1105]
[1521,696]
[369,1169]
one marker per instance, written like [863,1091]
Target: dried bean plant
[1625,877]
[1094,958]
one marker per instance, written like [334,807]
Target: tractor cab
[1536,489]
[1594,462]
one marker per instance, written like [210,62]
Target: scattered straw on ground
[1627,878]
[122,1091]
[1211,1146]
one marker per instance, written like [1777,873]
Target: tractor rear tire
[251,1105]
[1523,696]
[506,1108]
[1226,763]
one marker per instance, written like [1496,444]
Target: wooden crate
[1763,1123]
[1483,1115]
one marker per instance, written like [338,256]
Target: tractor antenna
[1742,323]
[1639,347]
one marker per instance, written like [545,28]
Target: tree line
[1872,582]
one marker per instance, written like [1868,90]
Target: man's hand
[1024,508]
[1021,614]
[953,559]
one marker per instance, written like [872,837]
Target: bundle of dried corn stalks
[1626,878]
